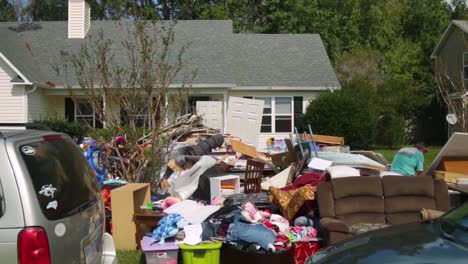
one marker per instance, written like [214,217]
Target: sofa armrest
[334,225]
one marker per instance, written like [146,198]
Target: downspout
[26,103]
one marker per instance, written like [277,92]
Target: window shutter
[69,109]
[298,112]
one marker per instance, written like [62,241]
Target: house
[451,69]
[451,52]
[284,70]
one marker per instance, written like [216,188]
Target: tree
[7,11]
[341,115]
[454,94]
[137,80]
[18,6]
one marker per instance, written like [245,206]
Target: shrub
[338,114]
[73,129]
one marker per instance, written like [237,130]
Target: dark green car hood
[411,243]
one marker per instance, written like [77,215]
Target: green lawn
[137,257]
[131,257]
[430,156]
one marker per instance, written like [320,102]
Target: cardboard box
[125,201]
[454,165]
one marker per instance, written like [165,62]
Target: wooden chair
[253,176]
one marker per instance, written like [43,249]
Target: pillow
[290,202]
[428,214]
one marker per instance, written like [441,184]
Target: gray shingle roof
[218,55]
[461,24]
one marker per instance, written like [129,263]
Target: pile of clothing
[246,227]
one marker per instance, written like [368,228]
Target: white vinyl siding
[87,21]
[41,106]
[76,19]
[12,99]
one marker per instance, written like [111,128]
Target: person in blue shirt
[409,161]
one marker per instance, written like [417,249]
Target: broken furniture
[253,176]
[224,186]
[353,205]
[145,217]
[125,201]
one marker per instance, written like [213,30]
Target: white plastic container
[159,254]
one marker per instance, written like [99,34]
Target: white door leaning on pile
[244,119]
[212,113]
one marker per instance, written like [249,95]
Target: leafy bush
[73,129]
[338,114]
[391,132]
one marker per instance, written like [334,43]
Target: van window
[64,183]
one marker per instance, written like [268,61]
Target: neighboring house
[451,53]
[284,70]
[451,67]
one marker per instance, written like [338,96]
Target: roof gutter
[8,62]
[26,102]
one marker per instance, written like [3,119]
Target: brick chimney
[79,19]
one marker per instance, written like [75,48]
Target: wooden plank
[324,139]
[243,148]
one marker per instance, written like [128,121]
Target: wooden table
[145,217]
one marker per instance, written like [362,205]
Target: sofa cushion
[409,185]
[404,204]
[403,218]
[359,204]
[357,186]
[351,219]
[362,228]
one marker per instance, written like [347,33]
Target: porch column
[166,107]
[225,101]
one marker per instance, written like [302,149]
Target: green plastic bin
[201,254]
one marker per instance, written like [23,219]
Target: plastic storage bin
[159,254]
[201,254]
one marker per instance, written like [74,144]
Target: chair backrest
[253,176]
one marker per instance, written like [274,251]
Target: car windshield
[64,183]
[455,224]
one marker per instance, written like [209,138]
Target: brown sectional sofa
[345,204]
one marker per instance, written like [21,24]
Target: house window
[84,113]
[266,119]
[280,113]
[283,114]
[465,65]
[140,116]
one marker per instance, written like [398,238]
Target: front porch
[281,113]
